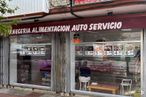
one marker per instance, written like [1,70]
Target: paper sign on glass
[108,49]
[98,49]
[118,49]
[129,49]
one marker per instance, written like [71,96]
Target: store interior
[108,65]
[31,59]
[34,69]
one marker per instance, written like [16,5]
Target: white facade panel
[29,6]
[58,3]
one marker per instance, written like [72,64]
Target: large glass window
[107,62]
[30,59]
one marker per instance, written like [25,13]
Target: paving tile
[18,92]
[34,94]
[30,93]
[50,95]
[4,90]
[8,95]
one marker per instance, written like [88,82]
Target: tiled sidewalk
[12,95]
[7,95]
[29,93]
[18,93]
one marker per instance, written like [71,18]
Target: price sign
[33,50]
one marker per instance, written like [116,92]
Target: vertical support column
[4,60]
[67,69]
[143,78]
[1,61]
[59,62]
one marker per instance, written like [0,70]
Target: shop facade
[101,56]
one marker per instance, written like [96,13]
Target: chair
[84,81]
[126,83]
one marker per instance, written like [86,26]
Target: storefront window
[107,62]
[30,59]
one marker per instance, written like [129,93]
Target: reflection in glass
[30,59]
[110,66]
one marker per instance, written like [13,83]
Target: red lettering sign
[85,1]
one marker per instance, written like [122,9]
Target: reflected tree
[5,27]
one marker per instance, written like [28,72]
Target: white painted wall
[57,3]
[28,6]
